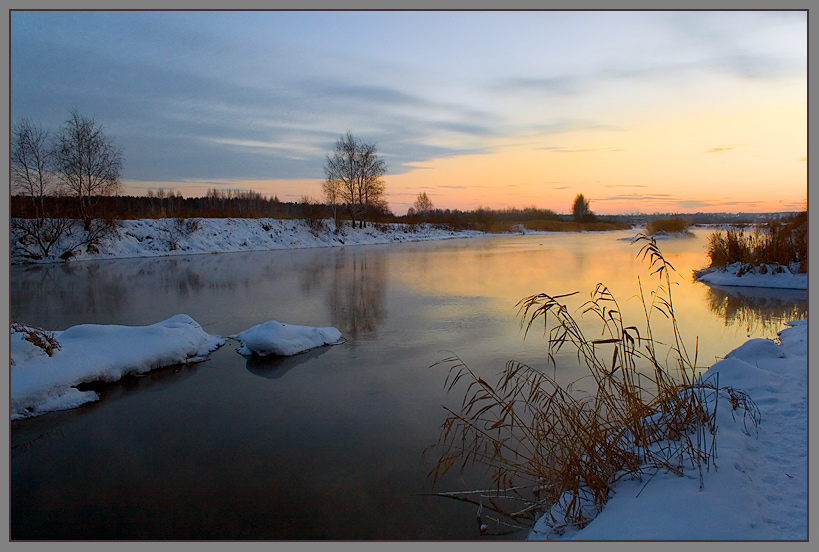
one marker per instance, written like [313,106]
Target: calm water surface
[325,445]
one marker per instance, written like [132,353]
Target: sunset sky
[641,111]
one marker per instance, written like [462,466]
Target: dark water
[325,445]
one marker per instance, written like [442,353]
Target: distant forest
[254,205]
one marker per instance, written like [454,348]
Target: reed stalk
[557,450]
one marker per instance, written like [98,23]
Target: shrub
[670,226]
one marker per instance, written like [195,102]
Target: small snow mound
[278,338]
[98,352]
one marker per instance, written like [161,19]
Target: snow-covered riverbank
[757,488]
[764,276]
[164,237]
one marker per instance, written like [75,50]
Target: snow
[168,237]
[94,352]
[757,488]
[278,338]
[769,277]
[99,352]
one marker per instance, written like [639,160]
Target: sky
[641,111]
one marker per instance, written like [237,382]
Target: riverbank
[757,487]
[763,276]
[170,237]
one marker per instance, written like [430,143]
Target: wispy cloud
[636,197]
[461,187]
[719,149]
[561,149]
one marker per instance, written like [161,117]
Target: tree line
[73,177]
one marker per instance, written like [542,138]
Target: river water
[325,445]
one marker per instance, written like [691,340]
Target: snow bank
[164,237]
[278,338]
[757,488]
[737,274]
[91,352]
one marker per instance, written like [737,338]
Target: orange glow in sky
[655,111]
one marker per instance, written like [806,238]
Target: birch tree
[88,163]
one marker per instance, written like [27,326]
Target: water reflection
[755,309]
[357,292]
[285,285]
[274,366]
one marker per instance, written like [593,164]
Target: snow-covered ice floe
[41,383]
[739,274]
[278,338]
[756,488]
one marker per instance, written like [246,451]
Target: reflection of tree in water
[756,309]
[356,296]
[80,287]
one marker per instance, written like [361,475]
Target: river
[328,444]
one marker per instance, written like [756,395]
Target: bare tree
[354,177]
[31,174]
[423,204]
[88,162]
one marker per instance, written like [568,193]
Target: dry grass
[552,449]
[43,339]
[775,243]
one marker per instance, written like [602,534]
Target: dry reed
[779,243]
[554,450]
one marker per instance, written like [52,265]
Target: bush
[669,226]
